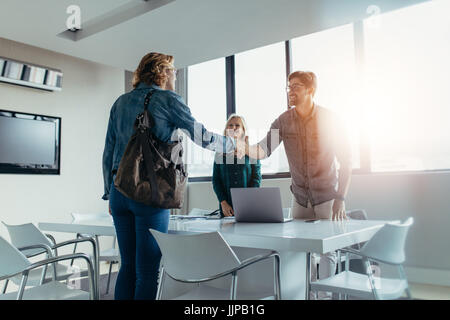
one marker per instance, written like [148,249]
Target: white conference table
[295,241]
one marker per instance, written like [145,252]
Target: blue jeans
[139,252]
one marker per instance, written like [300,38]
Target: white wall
[423,196]
[89,90]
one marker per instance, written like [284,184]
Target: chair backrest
[195,256]
[388,244]
[28,234]
[90,216]
[357,214]
[12,261]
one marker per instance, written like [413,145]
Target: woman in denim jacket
[140,254]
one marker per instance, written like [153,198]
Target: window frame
[364,147]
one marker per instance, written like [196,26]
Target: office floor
[418,291]
[429,292]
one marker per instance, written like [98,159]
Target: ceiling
[192,30]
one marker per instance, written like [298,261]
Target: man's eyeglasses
[294,87]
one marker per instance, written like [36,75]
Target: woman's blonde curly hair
[152,69]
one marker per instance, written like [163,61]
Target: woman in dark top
[139,252]
[231,172]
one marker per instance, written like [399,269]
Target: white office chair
[25,235]
[357,214]
[386,246]
[198,258]
[110,255]
[14,263]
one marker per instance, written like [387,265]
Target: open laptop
[257,205]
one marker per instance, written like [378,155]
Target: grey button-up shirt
[313,146]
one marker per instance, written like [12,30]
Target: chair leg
[408,293]
[160,284]
[75,249]
[22,286]
[347,268]
[308,276]
[44,272]
[403,275]
[339,260]
[277,278]
[97,265]
[339,268]
[109,276]
[371,279]
[233,286]
[5,286]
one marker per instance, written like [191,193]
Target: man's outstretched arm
[266,146]
[256,152]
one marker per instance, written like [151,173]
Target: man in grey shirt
[314,139]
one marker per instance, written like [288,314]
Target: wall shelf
[30,75]
[29,84]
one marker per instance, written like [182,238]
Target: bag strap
[147,99]
[151,124]
[141,120]
[149,163]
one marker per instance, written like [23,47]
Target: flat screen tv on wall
[29,143]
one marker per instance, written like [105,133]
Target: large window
[207,101]
[260,77]
[330,54]
[386,77]
[407,99]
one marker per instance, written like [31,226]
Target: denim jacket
[169,113]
